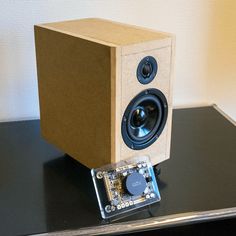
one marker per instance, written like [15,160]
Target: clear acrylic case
[125,186]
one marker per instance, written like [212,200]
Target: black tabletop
[43,190]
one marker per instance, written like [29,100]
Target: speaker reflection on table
[105,90]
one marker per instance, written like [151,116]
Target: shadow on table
[70,198]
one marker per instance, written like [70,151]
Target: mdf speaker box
[105,90]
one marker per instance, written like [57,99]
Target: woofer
[144,119]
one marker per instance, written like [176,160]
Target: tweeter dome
[105,90]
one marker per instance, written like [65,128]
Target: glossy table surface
[42,190]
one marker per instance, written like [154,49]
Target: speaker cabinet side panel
[172,71]
[74,78]
[131,87]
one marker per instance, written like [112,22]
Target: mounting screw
[99,175]
[108,208]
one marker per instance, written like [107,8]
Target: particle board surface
[87,77]
[107,31]
[75,96]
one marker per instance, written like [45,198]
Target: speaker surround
[144,119]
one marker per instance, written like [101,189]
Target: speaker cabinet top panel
[108,32]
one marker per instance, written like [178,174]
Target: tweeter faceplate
[147,70]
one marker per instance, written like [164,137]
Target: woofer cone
[144,119]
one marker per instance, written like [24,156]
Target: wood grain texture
[87,77]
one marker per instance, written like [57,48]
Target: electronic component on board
[125,186]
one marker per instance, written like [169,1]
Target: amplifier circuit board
[122,188]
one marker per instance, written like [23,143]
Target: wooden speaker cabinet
[105,90]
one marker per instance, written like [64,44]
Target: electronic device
[105,90]
[125,186]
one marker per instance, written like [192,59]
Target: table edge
[150,223]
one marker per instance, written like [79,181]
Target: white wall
[221,83]
[188,19]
